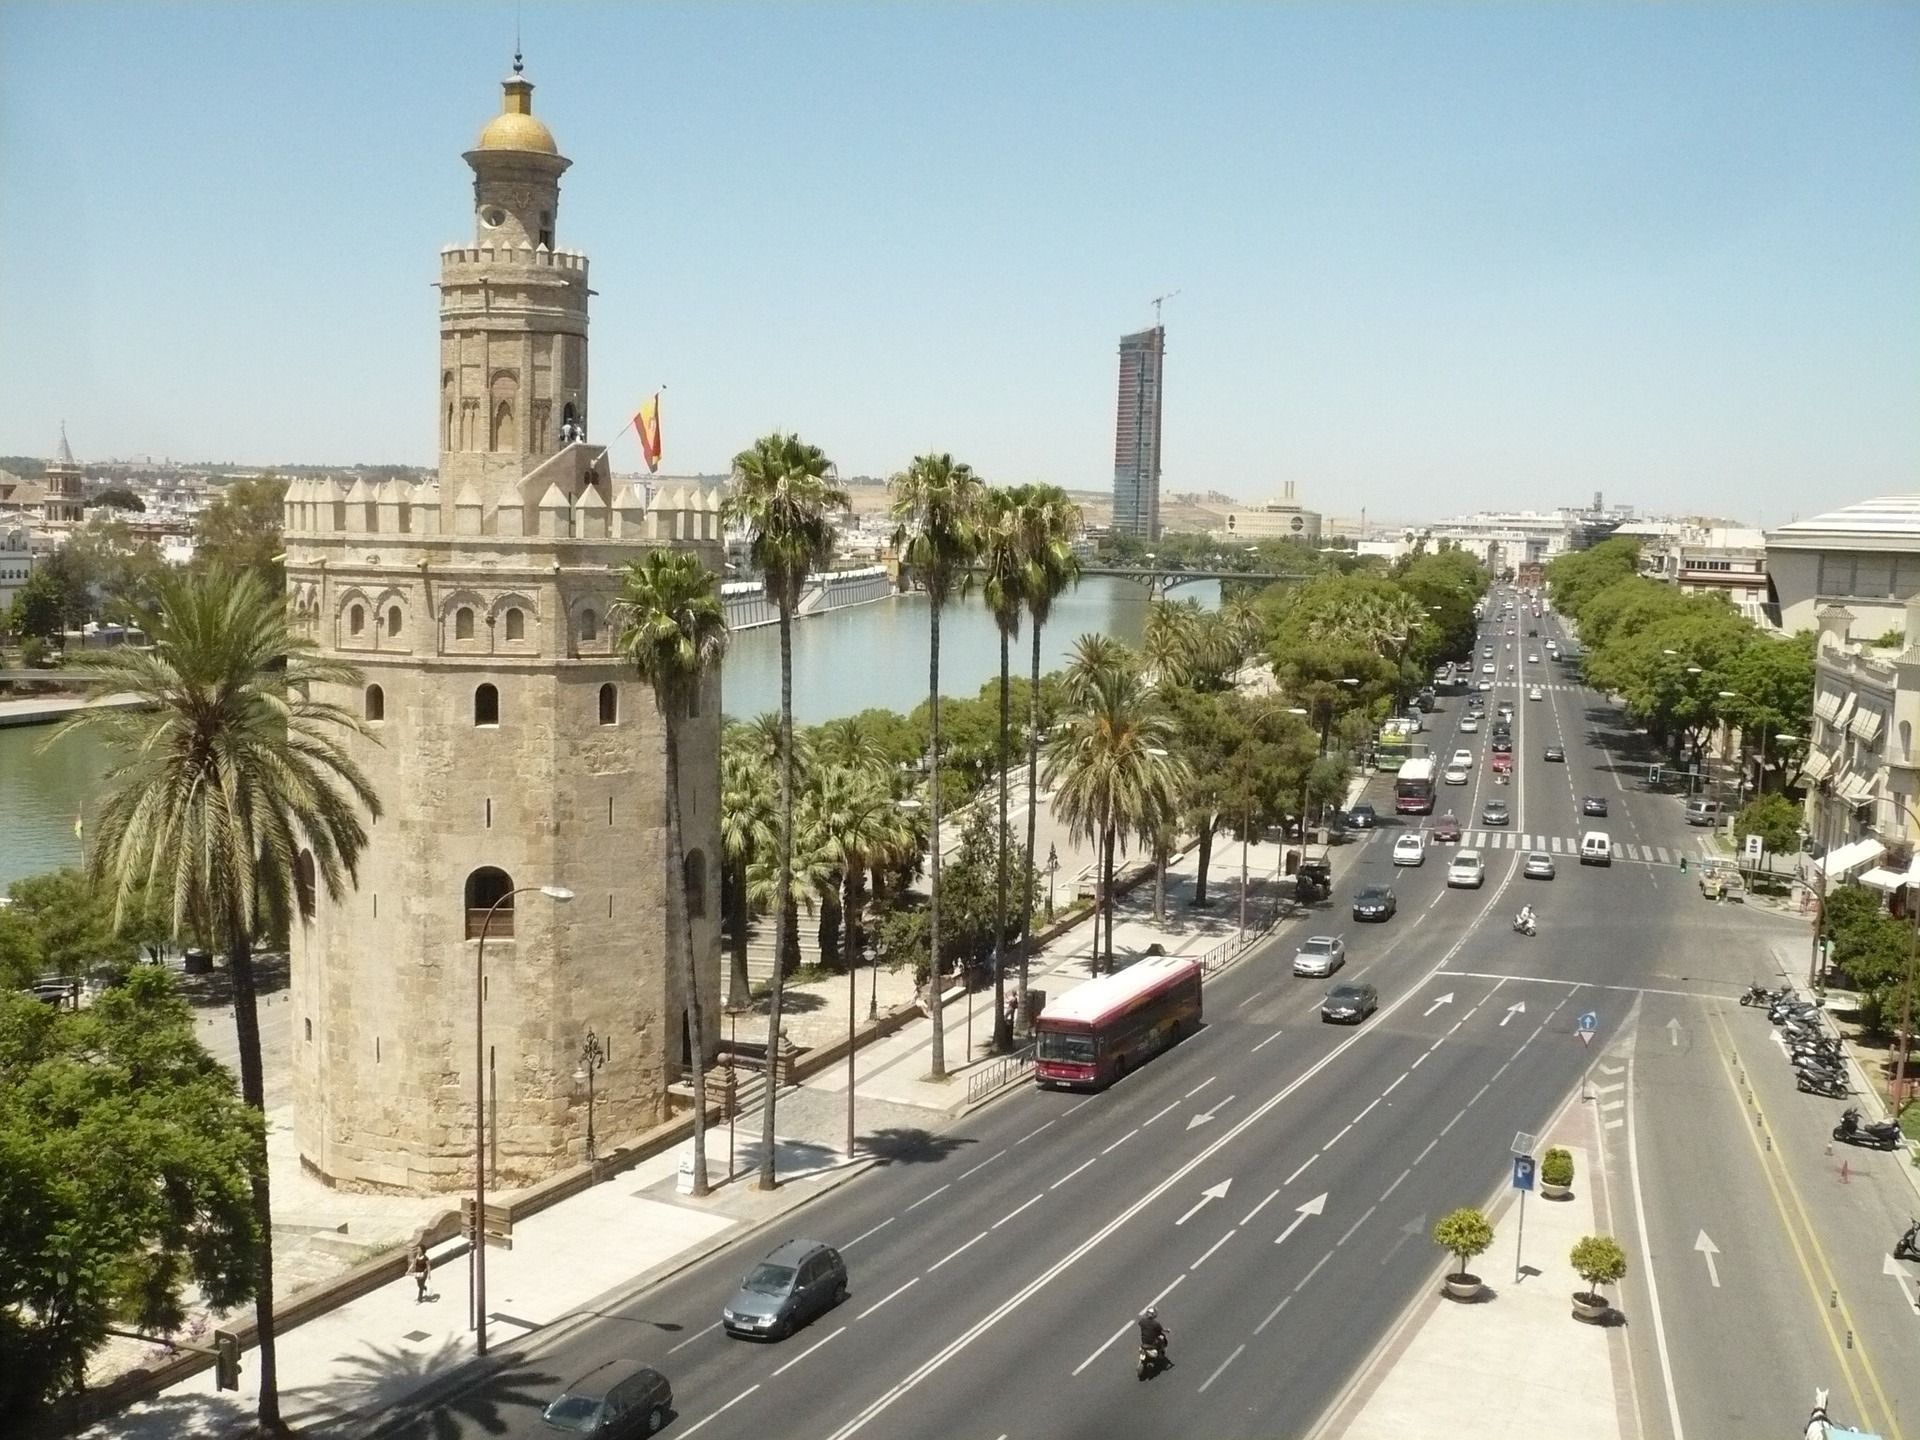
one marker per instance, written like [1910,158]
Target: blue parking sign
[1523,1172]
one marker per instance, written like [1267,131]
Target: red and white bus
[1093,1035]
[1413,787]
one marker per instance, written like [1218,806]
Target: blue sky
[1430,257]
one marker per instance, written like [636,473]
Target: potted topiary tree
[1463,1234]
[1556,1173]
[1598,1260]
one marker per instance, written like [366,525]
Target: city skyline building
[1136,434]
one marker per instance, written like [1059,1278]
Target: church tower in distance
[509,744]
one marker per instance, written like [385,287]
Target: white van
[1596,848]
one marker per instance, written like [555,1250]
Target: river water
[868,656]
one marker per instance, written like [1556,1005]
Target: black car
[798,1281]
[1494,812]
[1349,1003]
[1594,805]
[1375,902]
[1362,817]
[1502,745]
[1557,752]
[618,1399]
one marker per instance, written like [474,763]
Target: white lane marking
[1126,1327]
[1250,999]
[1396,1184]
[1456,1119]
[1223,1365]
[1613,1124]
[1353,1227]
[1296,1174]
[878,1303]
[809,1350]
[1266,1042]
[1271,1314]
[1031,1133]
[1336,1139]
[721,1411]
[1081,1106]
[853,1242]
[1478,1093]
[1313,1272]
[1395,1085]
[1258,1208]
[1201,1086]
[953,1253]
[984,1163]
[1121,1141]
[1502,1070]
[1369,1110]
[1158,1113]
[1653,1287]
[1582,984]
[925,1198]
[1011,1213]
[716,1324]
[1418,1063]
[1612,1089]
[1213,1247]
[1073,1172]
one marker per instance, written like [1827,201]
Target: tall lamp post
[1053,868]
[592,1056]
[553,892]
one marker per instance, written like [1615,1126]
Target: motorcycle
[1153,1358]
[1524,925]
[1822,1082]
[1881,1134]
[1759,995]
[1907,1247]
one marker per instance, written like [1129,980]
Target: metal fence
[1000,1073]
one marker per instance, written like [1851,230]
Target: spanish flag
[646,424]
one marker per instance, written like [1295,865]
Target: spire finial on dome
[518,64]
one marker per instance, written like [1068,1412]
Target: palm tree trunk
[939,1066]
[253,1090]
[783,885]
[1033,806]
[677,899]
[830,927]
[850,902]
[1206,855]
[1002,1031]
[789,939]
[739,985]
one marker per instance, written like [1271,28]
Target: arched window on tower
[463,623]
[303,885]
[546,228]
[356,619]
[393,620]
[486,887]
[486,705]
[376,704]
[609,704]
[696,885]
[516,624]
[589,625]
[503,437]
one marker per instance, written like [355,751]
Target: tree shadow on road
[504,1400]
[910,1145]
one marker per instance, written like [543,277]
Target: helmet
[1149,1313]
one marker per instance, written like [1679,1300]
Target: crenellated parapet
[565,499]
[460,263]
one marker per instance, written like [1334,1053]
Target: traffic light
[1653,774]
[226,1360]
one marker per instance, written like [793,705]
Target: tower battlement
[455,258]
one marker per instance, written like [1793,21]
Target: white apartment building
[1707,558]
[1507,539]
[1865,557]
[16,562]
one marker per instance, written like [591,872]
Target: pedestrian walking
[421,1272]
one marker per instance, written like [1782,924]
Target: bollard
[1833,1299]
[1849,1339]
[1769,1142]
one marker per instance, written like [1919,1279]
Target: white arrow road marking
[1673,1031]
[1446,999]
[1413,1227]
[1207,1115]
[1893,1267]
[1315,1206]
[1708,1249]
[1208,1195]
[1519,1007]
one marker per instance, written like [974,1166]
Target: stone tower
[509,745]
[65,502]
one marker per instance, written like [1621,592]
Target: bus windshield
[1066,1046]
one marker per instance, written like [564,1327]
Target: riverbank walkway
[48,709]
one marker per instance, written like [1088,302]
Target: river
[868,656]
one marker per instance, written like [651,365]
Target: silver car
[1320,955]
[1539,866]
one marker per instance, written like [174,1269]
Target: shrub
[1556,1167]
[1463,1234]
[1598,1260]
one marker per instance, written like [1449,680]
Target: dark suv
[619,1399]
[800,1280]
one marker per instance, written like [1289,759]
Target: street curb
[517,1352]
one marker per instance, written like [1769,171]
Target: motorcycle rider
[1153,1335]
[1524,921]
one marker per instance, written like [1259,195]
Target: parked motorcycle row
[1814,1051]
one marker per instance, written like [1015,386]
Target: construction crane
[1158,301]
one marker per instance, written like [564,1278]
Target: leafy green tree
[230,771]
[1772,681]
[125,1165]
[123,572]
[119,497]
[240,530]
[1578,575]
[935,505]
[783,499]
[1598,1260]
[673,627]
[39,607]
[70,926]
[1463,1234]
[1775,819]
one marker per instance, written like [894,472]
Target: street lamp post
[553,892]
[592,1056]
[1053,867]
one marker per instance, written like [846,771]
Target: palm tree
[228,773]
[1003,554]
[1093,657]
[749,820]
[782,497]
[1051,522]
[674,630]
[935,509]
[852,825]
[1170,642]
[1113,774]
[849,741]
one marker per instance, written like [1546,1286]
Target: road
[1269,1182]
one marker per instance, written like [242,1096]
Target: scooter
[1524,925]
[1153,1358]
[1759,995]
[1881,1134]
[1822,1082]
[1907,1247]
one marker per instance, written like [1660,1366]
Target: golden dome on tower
[514,128]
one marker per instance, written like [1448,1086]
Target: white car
[1486,669]
[1409,850]
[1454,775]
[1486,684]
[1536,694]
[1466,871]
[1533,659]
[1462,758]
[1320,955]
[1469,724]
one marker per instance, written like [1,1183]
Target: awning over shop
[1819,765]
[1884,879]
[1854,788]
[1848,858]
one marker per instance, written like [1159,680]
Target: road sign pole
[1519,1238]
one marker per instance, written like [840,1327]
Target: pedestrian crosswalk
[1568,845]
